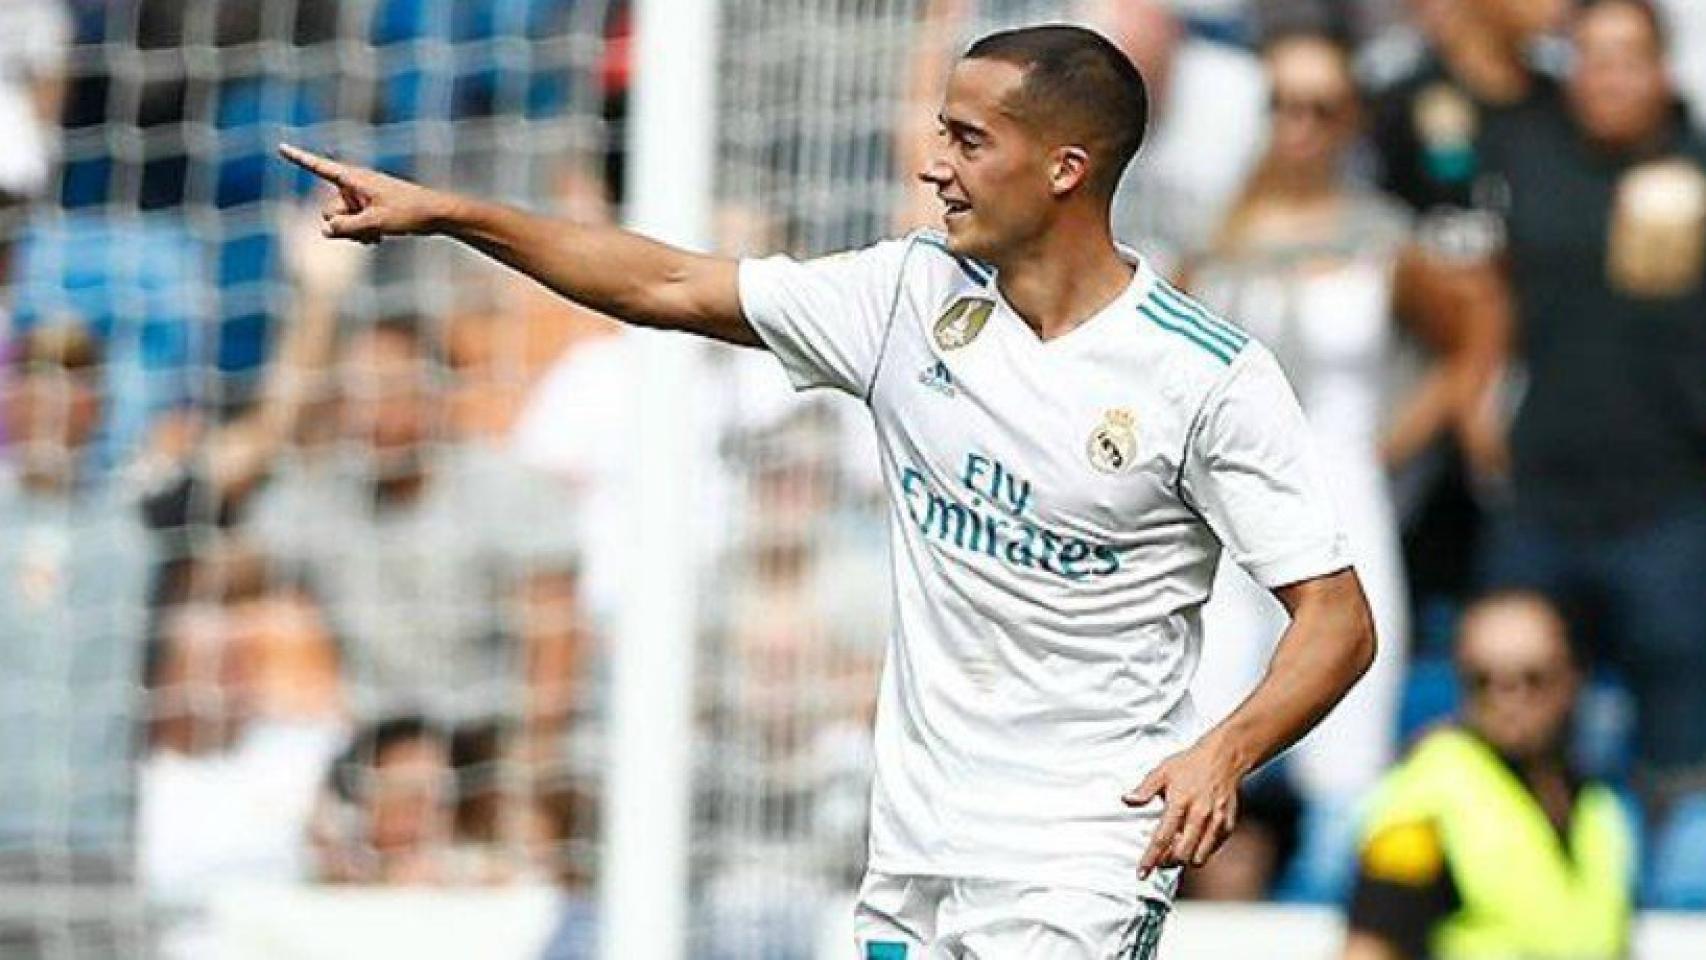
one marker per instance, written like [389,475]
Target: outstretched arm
[1327,648]
[613,271]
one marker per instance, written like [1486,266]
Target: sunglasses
[1531,680]
[1318,109]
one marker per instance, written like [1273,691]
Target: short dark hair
[1646,8]
[364,751]
[1078,82]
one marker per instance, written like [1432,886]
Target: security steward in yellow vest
[1482,844]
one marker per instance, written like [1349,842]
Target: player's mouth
[954,209]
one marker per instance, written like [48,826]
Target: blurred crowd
[309,557]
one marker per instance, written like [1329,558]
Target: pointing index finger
[322,167]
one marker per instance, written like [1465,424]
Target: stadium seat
[1430,696]
[1322,870]
[1677,878]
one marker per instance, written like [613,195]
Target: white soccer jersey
[1058,509]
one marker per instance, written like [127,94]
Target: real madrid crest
[962,322]
[1113,444]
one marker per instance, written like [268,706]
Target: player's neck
[1063,279]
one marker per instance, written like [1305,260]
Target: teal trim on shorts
[1142,940]
[885,950]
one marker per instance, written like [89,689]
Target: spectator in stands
[447,571]
[33,37]
[412,802]
[75,561]
[74,565]
[389,813]
[1435,123]
[1322,270]
[1442,115]
[1608,449]
[243,723]
[1461,855]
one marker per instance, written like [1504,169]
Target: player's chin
[962,234]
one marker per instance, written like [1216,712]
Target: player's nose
[936,171]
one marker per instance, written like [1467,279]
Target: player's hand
[1199,789]
[369,206]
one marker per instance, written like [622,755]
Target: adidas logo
[937,378]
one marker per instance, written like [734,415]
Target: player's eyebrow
[960,128]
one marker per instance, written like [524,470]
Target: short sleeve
[827,319]
[1250,469]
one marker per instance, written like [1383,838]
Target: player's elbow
[692,294]
[1334,611]
[1361,638]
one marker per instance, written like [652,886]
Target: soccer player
[1068,444]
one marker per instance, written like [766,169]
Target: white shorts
[943,918]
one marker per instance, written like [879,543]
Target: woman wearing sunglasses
[1317,267]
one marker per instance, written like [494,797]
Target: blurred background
[317,563]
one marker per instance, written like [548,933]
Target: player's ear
[1069,169]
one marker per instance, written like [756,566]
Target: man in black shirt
[1607,228]
[1436,130]
[1435,127]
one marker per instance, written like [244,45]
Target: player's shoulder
[931,262]
[1190,338]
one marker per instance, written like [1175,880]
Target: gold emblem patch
[1658,230]
[962,322]
[1113,444]
[1445,118]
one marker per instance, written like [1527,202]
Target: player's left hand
[1199,790]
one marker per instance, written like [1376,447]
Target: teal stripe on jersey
[1227,341]
[1172,293]
[1165,291]
[979,273]
[1189,333]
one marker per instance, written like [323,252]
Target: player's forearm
[1326,649]
[630,277]
[613,271]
